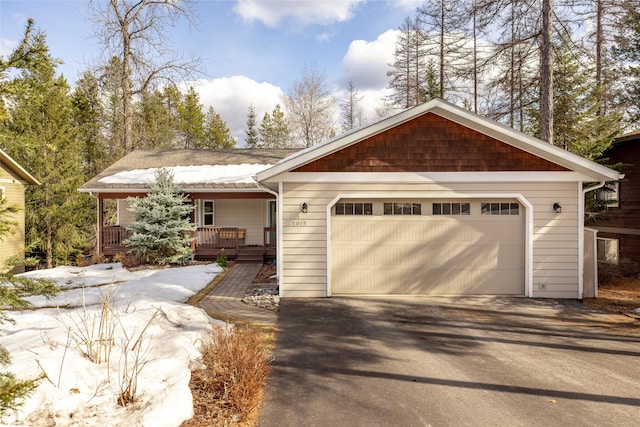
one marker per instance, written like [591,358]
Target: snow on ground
[80,392]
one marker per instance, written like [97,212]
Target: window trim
[354,212]
[203,213]
[499,209]
[605,258]
[402,208]
[451,211]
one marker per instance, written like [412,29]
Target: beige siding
[554,235]
[248,214]
[12,244]
[125,216]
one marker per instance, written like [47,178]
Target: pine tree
[162,226]
[251,132]
[274,130]
[192,120]
[217,133]
[42,137]
[7,225]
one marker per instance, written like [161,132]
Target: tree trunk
[546,74]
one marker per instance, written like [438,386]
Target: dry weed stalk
[133,361]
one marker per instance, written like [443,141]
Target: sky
[252,51]
[80,392]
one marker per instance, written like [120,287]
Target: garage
[427,246]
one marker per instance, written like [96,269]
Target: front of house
[434,200]
[231,212]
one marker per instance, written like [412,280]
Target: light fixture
[304,208]
[557,208]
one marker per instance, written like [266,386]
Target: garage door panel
[428,255]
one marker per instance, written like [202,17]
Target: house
[433,200]
[231,211]
[619,228]
[13,180]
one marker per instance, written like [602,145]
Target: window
[451,209]
[402,208]
[609,194]
[354,208]
[207,212]
[608,250]
[502,208]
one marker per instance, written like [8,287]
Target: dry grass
[228,390]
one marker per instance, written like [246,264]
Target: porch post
[100,224]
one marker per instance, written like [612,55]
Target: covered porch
[242,224]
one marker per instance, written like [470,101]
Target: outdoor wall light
[304,208]
[557,208]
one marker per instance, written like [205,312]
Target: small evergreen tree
[251,132]
[162,226]
[12,291]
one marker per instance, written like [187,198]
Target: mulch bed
[266,274]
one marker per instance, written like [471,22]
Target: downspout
[279,225]
[581,236]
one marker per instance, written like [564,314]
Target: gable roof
[132,172]
[13,166]
[457,115]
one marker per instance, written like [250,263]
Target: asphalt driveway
[444,362]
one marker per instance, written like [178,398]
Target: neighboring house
[231,211]
[433,200]
[13,179]
[619,229]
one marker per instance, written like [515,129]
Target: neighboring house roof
[194,170]
[629,136]
[7,162]
[458,115]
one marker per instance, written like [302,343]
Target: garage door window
[451,209]
[402,209]
[499,208]
[354,208]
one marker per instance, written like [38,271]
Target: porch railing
[113,237]
[219,237]
[205,239]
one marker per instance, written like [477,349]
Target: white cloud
[7,46]
[231,97]
[407,4]
[366,63]
[301,12]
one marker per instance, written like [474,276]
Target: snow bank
[80,392]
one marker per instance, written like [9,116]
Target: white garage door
[477,252]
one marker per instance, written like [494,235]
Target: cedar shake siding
[430,143]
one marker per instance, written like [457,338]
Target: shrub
[236,368]
[222,258]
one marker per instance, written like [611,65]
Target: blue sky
[252,50]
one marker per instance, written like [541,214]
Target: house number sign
[298,223]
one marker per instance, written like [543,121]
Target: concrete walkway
[225,297]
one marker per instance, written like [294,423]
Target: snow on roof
[203,174]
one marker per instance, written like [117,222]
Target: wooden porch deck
[207,243]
